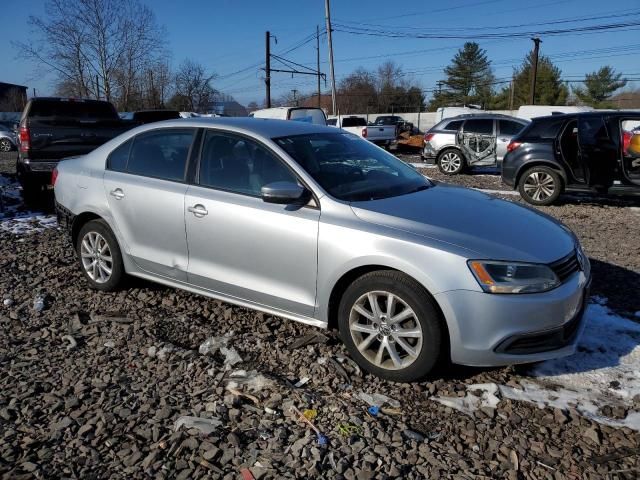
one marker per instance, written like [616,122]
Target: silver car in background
[8,137]
[474,140]
[320,226]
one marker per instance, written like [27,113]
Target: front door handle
[198,210]
[117,193]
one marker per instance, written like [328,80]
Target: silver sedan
[319,226]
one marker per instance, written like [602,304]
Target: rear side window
[508,127]
[543,130]
[453,126]
[354,122]
[117,161]
[479,126]
[161,153]
[79,110]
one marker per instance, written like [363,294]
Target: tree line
[114,50]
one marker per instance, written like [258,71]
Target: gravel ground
[92,384]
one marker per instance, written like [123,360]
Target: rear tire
[540,186]
[401,344]
[450,162]
[5,145]
[99,256]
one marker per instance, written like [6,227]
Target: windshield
[76,110]
[350,168]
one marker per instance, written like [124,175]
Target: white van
[299,114]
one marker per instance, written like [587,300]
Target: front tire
[450,162]
[99,256]
[540,186]
[390,326]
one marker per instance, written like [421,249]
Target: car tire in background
[450,161]
[5,145]
[540,185]
[411,331]
[99,256]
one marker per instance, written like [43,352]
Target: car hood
[486,226]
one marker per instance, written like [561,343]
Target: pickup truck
[53,128]
[383,135]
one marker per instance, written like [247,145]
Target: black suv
[585,152]
[53,128]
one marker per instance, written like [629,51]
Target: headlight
[513,277]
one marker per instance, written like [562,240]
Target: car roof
[595,113]
[266,127]
[482,116]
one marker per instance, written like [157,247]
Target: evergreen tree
[550,90]
[599,87]
[469,79]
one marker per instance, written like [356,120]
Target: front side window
[232,163]
[161,153]
[479,126]
[352,169]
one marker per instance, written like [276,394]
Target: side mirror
[283,192]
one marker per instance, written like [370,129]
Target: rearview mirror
[283,192]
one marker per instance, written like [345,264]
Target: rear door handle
[198,210]
[117,193]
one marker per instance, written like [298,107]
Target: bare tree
[193,90]
[97,48]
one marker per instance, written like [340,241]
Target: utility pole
[512,86]
[97,88]
[295,100]
[267,78]
[318,64]
[534,70]
[333,77]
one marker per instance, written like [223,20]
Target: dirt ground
[96,385]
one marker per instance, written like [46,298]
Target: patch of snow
[470,402]
[605,371]
[27,223]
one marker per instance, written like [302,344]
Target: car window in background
[308,115]
[161,153]
[479,126]
[77,110]
[117,160]
[238,165]
[332,121]
[354,122]
[453,126]
[350,168]
[508,127]
[543,129]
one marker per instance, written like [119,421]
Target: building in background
[13,97]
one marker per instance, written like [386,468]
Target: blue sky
[228,36]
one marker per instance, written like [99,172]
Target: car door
[241,246]
[145,187]
[478,142]
[507,129]
[598,152]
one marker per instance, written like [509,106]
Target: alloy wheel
[5,145]
[96,257]
[539,186]
[385,330]
[450,162]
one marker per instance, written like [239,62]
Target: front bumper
[493,330]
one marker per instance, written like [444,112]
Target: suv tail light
[54,177]
[626,141]
[513,145]
[25,139]
[364,132]
[428,136]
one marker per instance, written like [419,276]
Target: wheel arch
[351,275]
[451,147]
[79,221]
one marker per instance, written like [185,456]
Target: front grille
[565,267]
